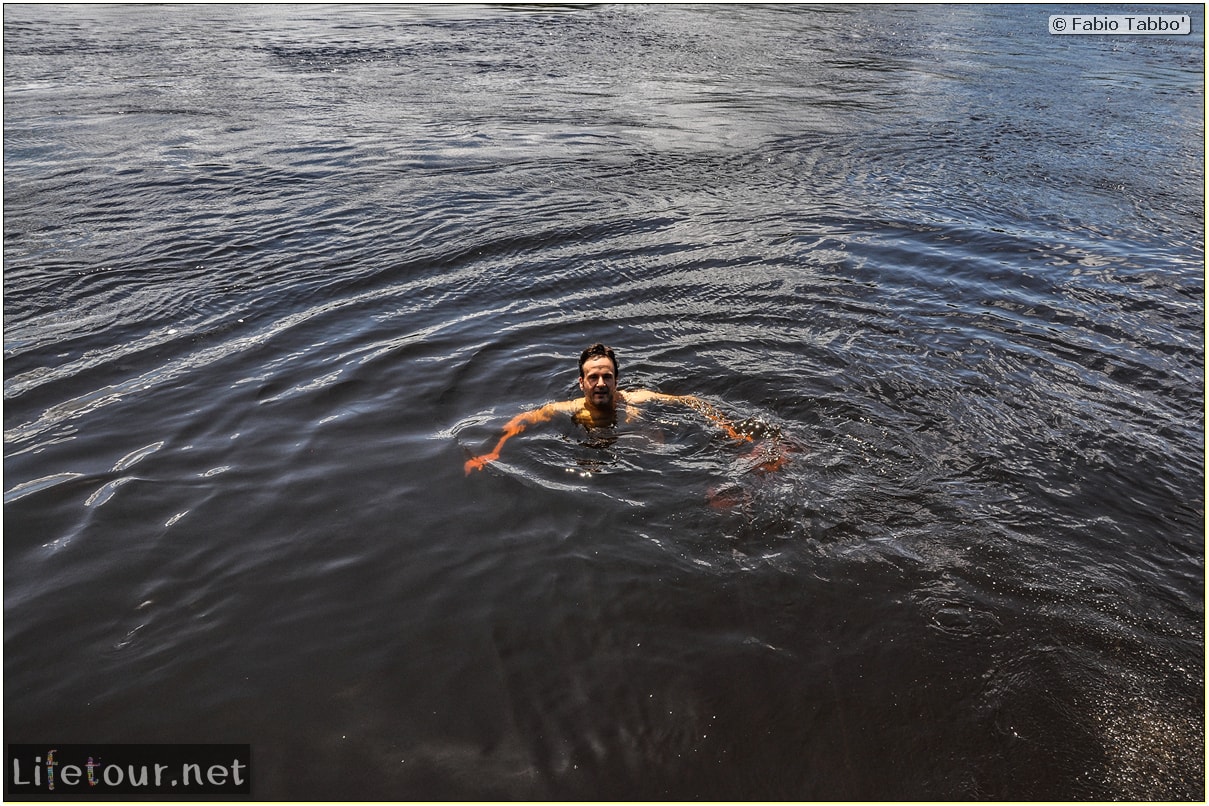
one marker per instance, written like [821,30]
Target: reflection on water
[273,273]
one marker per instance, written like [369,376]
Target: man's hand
[479,462]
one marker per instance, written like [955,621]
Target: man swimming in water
[598,407]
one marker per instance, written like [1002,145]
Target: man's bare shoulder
[575,408]
[564,407]
[545,412]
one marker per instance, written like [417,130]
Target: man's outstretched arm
[770,455]
[716,417]
[513,427]
[710,412]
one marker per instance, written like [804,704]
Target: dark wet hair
[596,351]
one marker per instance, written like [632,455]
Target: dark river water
[273,273]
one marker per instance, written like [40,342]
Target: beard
[601,398]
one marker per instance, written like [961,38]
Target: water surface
[273,273]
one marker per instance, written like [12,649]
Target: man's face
[599,382]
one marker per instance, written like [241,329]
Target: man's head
[598,376]
[598,351]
